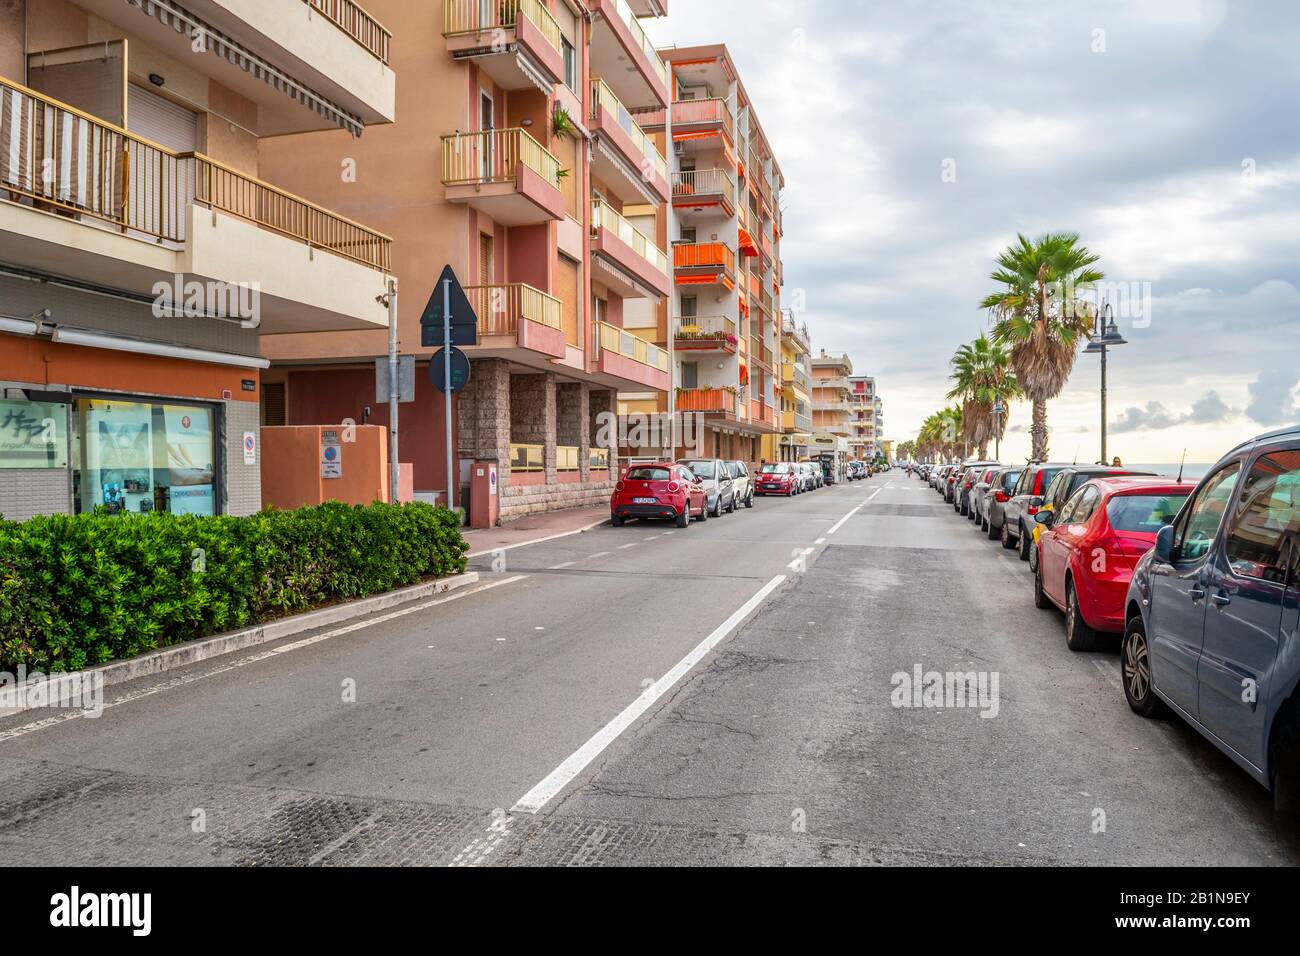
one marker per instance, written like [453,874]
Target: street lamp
[1105,335]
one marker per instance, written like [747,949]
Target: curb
[69,686]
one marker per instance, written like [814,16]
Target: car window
[703,469]
[1048,475]
[776,468]
[648,474]
[1085,503]
[1201,523]
[741,470]
[1009,480]
[1266,527]
[1068,509]
[1023,484]
[1054,489]
[1146,513]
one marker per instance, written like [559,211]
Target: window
[1085,503]
[1196,533]
[570,64]
[33,434]
[689,307]
[1143,513]
[1265,534]
[1053,490]
[648,474]
[690,375]
[142,456]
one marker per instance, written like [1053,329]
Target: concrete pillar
[605,400]
[572,409]
[483,413]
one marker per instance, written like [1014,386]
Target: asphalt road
[724,693]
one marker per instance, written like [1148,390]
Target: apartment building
[794,441]
[862,417]
[831,402]
[725,227]
[145,252]
[517,159]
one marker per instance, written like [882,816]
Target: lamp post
[1105,335]
[998,410]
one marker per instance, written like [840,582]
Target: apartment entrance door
[489,141]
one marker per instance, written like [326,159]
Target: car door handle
[1221,599]
[1196,594]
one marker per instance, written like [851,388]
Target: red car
[659,490]
[777,478]
[1087,554]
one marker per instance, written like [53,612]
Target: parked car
[742,483]
[717,482]
[1211,621]
[995,502]
[1090,545]
[939,476]
[808,476]
[979,491]
[658,490]
[971,472]
[1062,488]
[778,478]
[1026,499]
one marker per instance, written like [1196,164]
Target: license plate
[643,501]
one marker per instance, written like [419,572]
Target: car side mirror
[1165,544]
[1044,518]
[1036,502]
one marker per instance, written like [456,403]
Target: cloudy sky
[1166,132]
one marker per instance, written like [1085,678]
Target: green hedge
[81,590]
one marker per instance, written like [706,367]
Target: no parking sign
[250,448]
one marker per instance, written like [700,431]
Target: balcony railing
[494,156]
[794,374]
[705,112]
[693,327]
[614,339]
[603,215]
[500,307]
[61,158]
[708,400]
[356,23]
[704,182]
[796,330]
[639,36]
[484,16]
[603,96]
[692,255]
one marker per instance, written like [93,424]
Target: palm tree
[1037,314]
[981,375]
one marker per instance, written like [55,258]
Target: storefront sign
[33,434]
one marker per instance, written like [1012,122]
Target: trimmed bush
[81,590]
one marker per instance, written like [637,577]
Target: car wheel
[1078,635]
[1025,542]
[993,532]
[617,521]
[704,510]
[1033,557]
[749,502]
[1285,760]
[684,518]
[1040,596]
[1007,541]
[717,507]
[731,505]
[984,524]
[1135,667]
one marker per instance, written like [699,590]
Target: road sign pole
[394,469]
[446,381]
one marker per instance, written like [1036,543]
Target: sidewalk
[534,528]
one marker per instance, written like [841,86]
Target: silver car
[742,483]
[716,476]
[995,500]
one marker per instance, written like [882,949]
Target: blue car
[1213,614]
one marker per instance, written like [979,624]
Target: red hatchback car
[659,490]
[1087,554]
[777,478]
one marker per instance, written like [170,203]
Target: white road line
[624,547]
[566,564]
[524,544]
[186,679]
[839,524]
[799,563]
[598,554]
[820,541]
[563,775]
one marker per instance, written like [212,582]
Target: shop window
[140,457]
[33,434]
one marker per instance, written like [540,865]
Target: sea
[1193,471]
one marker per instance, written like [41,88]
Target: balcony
[837,383]
[700,333]
[623,54]
[797,332]
[623,156]
[704,189]
[504,174]
[88,200]
[704,263]
[632,264]
[695,121]
[792,374]
[710,400]
[332,49]
[761,413]
[798,422]
[516,318]
[516,42]
[760,354]
[628,360]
